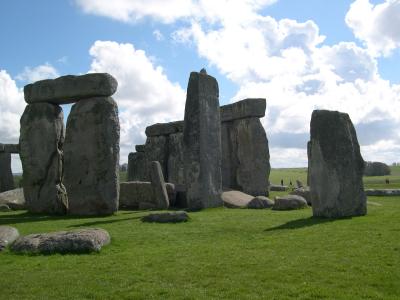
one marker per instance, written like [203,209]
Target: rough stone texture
[171,191]
[158,184]
[260,202]
[336,166]
[235,199]
[74,241]
[278,188]
[146,206]
[8,235]
[9,148]
[137,167]
[70,88]
[167,217]
[164,128]
[247,108]
[376,168]
[6,176]
[140,148]
[14,199]
[202,142]
[289,202]
[382,192]
[132,193]
[175,165]
[303,192]
[245,163]
[156,150]
[41,142]
[91,153]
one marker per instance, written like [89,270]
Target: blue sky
[300,55]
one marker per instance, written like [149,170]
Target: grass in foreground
[219,254]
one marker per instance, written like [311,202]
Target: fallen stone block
[8,235]
[74,241]
[167,217]
[289,202]
[14,199]
[236,199]
[260,202]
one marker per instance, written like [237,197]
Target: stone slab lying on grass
[4,208]
[236,199]
[167,217]
[382,192]
[278,188]
[74,241]
[8,235]
[303,192]
[14,199]
[260,202]
[289,202]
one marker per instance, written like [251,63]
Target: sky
[300,55]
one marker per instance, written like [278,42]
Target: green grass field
[219,254]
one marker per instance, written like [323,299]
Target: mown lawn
[220,254]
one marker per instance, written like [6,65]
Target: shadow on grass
[26,217]
[301,223]
[102,222]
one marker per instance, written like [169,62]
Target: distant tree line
[375,168]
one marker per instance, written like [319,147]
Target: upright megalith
[202,142]
[41,140]
[6,177]
[137,167]
[335,167]
[158,184]
[91,152]
[245,163]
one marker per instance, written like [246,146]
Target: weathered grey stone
[382,192]
[137,167]
[245,163]
[303,192]
[289,202]
[157,150]
[158,184]
[132,193]
[91,154]
[6,176]
[202,142]
[140,148]
[8,235]
[146,206]
[171,191]
[175,159]
[278,188]
[260,202]
[247,108]
[235,199]
[164,128]
[74,241]
[167,217]
[9,148]
[336,166]
[70,88]
[41,141]
[14,199]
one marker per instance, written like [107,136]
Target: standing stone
[336,166]
[175,159]
[158,183]
[245,163]
[6,176]
[202,142]
[91,157]
[41,141]
[157,150]
[137,167]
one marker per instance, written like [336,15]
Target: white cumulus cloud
[145,95]
[46,71]
[378,26]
